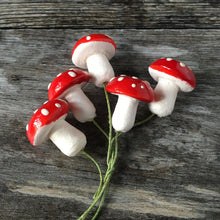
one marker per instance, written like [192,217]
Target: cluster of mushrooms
[93,53]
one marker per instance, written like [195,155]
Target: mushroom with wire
[130,91]
[48,122]
[68,85]
[94,52]
[172,76]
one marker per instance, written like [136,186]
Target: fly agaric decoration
[68,85]
[172,76]
[130,91]
[94,52]
[48,122]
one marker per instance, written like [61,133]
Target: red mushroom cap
[44,118]
[175,71]
[132,87]
[90,44]
[60,85]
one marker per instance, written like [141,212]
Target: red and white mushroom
[48,122]
[94,52]
[130,91]
[68,85]
[172,76]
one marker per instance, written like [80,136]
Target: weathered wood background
[167,168]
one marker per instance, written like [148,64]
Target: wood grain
[138,14]
[167,168]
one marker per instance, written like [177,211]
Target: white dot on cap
[35,111]
[45,102]
[134,77]
[142,86]
[27,127]
[88,38]
[44,112]
[59,74]
[169,59]
[120,78]
[58,105]
[72,74]
[133,85]
[182,64]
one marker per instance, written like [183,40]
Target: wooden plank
[137,14]
[167,168]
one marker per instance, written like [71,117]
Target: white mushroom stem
[82,108]
[67,138]
[165,97]
[99,68]
[124,114]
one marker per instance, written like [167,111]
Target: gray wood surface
[167,168]
[142,14]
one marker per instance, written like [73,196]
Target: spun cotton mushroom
[48,122]
[130,91]
[94,52]
[68,85]
[172,76]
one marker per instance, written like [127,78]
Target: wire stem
[100,204]
[97,198]
[99,169]
[108,175]
[99,127]
[110,124]
[144,121]
[112,154]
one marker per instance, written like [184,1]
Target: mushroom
[68,85]
[48,122]
[94,52]
[130,91]
[171,76]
